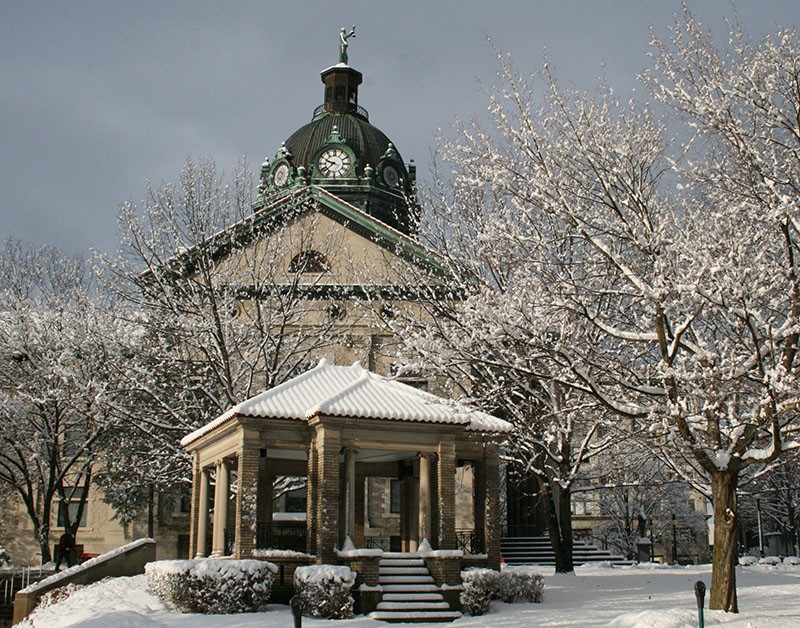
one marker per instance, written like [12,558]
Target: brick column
[263,491]
[492,504]
[221,490]
[350,492]
[312,495]
[247,501]
[200,517]
[447,493]
[328,446]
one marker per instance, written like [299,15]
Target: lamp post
[674,541]
[760,527]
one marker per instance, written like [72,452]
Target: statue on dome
[343,37]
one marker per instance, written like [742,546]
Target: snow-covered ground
[644,597]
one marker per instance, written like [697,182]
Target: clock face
[281,175]
[391,177]
[334,163]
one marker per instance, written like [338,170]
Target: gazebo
[337,426]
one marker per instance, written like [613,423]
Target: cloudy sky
[97,97]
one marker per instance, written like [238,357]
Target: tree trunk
[723,567]
[559,525]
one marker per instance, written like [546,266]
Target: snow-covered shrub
[60,594]
[769,560]
[747,561]
[480,587]
[516,585]
[208,585]
[324,590]
[5,558]
[791,560]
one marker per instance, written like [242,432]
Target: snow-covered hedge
[208,585]
[480,587]
[769,560]
[520,585]
[325,590]
[747,561]
[791,560]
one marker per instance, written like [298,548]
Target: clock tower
[343,153]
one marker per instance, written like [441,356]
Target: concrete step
[402,562]
[538,551]
[413,596]
[403,571]
[407,579]
[419,617]
[409,588]
[414,606]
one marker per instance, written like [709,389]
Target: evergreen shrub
[515,585]
[325,590]
[480,587]
[208,585]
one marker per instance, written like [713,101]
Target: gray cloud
[98,96]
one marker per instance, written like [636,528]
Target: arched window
[309,262]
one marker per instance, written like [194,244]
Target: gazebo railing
[281,536]
[469,541]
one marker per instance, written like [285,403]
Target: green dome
[367,141]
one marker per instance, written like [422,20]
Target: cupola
[341,151]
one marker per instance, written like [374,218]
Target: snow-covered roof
[353,391]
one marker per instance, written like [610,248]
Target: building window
[309,262]
[71,506]
[296,500]
[394,496]
[76,433]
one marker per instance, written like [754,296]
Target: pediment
[341,245]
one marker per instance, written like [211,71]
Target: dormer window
[309,262]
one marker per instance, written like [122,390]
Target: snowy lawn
[643,597]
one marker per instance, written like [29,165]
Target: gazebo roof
[355,392]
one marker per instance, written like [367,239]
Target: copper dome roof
[367,141]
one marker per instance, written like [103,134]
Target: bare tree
[490,328]
[225,308]
[58,371]
[643,501]
[667,273]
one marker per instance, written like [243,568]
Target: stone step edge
[420,615]
[406,580]
[413,606]
[410,588]
[412,597]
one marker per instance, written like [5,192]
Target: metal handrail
[359,111]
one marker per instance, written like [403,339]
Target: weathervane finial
[343,37]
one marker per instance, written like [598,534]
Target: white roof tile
[353,391]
